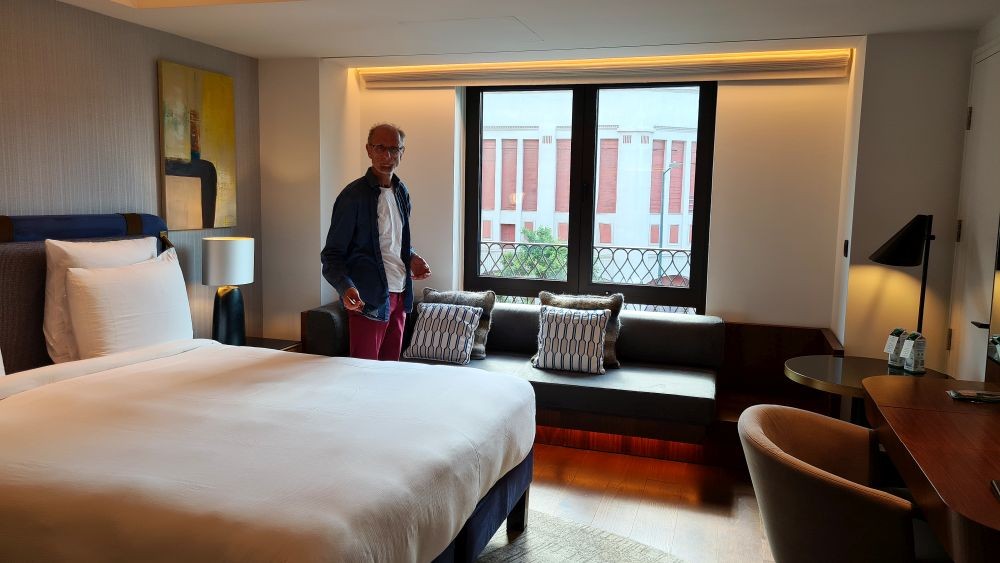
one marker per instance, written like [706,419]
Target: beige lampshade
[226,260]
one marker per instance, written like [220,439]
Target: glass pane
[644,185]
[524,214]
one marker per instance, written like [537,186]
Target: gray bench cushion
[654,391]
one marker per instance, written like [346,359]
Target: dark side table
[842,376]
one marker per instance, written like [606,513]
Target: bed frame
[22,305]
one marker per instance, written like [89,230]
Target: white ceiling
[351,29]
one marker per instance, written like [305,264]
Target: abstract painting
[198,144]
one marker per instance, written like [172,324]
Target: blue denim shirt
[352,256]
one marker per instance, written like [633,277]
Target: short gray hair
[377,126]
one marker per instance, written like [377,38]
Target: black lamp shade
[906,247]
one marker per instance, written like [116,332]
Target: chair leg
[517,520]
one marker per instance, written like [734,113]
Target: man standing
[368,257]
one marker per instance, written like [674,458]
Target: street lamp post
[663,206]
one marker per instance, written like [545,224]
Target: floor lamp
[910,246]
[228,263]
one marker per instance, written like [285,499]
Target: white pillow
[117,309]
[62,255]
[444,332]
[2,372]
[571,339]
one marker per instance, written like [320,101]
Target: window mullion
[581,217]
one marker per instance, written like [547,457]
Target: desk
[842,376]
[947,452]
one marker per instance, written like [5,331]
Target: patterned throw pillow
[613,303]
[444,332]
[571,339]
[482,299]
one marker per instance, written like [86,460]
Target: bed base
[506,500]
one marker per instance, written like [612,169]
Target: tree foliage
[544,258]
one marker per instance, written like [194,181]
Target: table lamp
[227,262]
[910,246]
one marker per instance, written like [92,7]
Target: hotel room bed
[191,450]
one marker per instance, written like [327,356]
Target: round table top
[842,375]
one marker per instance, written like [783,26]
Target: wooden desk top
[842,375]
[947,452]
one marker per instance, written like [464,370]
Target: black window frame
[581,228]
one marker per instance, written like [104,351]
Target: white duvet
[193,451]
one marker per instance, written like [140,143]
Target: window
[601,181]
[529,176]
[487,230]
[563,232]
[507,232]
[605,233]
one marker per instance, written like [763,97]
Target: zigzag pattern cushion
[571,339]
[444,332]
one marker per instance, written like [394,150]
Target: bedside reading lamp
[227,262]
[911,246]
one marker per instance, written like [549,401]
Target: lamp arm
[928,237]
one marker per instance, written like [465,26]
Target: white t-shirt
[390,234]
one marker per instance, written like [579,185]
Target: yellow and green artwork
[198,143]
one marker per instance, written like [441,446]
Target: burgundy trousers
[376,340]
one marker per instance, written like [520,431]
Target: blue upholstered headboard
[22,273]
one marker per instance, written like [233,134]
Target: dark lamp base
[228,320]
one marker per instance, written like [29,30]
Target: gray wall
[912,131]
[78,126]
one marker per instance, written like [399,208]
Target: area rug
[549,539]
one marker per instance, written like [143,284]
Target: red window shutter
[487,230]
[654,234]
[529,225]
[489,174]
[676,176]
[508,175]
[529,176]
[607,187]
[675,232]
[656,181]
[605,232]
[506,232]
[563,232]
[562,174]
[694,154]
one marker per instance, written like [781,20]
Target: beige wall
[990,32]
[909,162]
[779,149]
[290,194]
[78,108]
[311,146]
[428,168]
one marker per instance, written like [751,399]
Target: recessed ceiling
[346,29]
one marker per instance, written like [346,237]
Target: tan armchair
[811,475]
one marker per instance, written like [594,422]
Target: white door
[979,211]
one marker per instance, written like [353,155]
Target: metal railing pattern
[628,306]
[660,267]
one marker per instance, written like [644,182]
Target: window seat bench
[665,389]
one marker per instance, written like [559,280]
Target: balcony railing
[612,264]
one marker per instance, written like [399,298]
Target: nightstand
[274,344]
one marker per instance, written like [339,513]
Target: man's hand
[352,300]
[419,268]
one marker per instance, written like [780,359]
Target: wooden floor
[698,513]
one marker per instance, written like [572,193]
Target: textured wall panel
[78,126]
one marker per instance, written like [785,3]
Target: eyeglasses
[392,151]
